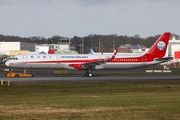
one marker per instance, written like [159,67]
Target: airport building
[15,48]
[6,46]
[128,48]
[173,49]
[63,47]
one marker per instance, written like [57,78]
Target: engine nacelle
[76,66]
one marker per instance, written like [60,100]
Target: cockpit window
[13,58]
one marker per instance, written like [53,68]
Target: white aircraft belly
[126,65]
[43,66]
[48,66]
[109,65]
[121,66]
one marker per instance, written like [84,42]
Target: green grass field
[91,100]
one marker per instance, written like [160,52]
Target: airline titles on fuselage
[50,57]
[74,56]
[79,56]
[83,57]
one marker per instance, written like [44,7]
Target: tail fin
[91,51]
[158,50]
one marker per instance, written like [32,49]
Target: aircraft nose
[7,63]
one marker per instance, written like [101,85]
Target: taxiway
[82,78]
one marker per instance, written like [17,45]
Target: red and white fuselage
[55,61]
[155,55]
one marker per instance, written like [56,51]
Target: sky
[69,18]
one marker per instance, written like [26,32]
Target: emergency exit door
[24,58]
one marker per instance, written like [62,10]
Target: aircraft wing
[86,65]
[100,61]
[93,64]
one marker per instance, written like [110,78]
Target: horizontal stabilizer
[164,59]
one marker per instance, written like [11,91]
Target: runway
[133,75]
[94,78]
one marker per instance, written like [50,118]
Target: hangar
[6,46]
[173,48]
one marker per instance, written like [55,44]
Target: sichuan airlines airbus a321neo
[90,62]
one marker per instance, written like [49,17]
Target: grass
[99,100]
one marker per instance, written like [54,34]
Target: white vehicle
[90,62]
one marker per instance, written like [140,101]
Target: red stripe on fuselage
[134,59]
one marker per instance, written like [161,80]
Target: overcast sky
[71,18]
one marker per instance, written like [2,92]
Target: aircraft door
[24,58]
[143,59]
[58,59]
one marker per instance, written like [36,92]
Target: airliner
[89,62]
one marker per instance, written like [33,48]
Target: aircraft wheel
[86,74]
[90,74]
[16,75]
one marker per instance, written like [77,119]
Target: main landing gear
[88,73]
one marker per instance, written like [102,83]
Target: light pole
[99,44]
[82,45]
[79,48]
[102,48]
[96,48]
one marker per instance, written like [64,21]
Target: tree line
[106,42]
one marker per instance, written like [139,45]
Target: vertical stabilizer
[158,50]
[91,51]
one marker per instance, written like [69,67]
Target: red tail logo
[158,50]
